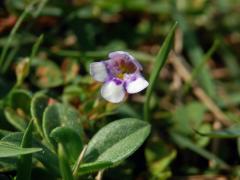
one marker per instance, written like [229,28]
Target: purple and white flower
[121,73]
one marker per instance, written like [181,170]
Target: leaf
[188,117]
[63,164]
[232,132]
[46,157]
[70,140]
[38,105]
[9,150]
[4,132]
[117,141]
[14,119]
[21,99]
[46,74]
[59,115]
[158,65]
[18,112]
[24,165]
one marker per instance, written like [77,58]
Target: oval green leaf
[117,141]
[70,140]
[59,115]
[21,99]
[46,74]
[38,105]
[14,119]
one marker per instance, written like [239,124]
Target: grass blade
[35,48]
[63,164]
[12,34]
[195,52]
[186,143]
[200,66]
[159,62]
[24,166]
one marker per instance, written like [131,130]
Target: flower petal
[125,55]
[117,54]
[98,71]
[135,85]
[113,91]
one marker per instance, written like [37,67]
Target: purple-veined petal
[125,55]
[113,91]
[98,71]
[120,54]
[136,84]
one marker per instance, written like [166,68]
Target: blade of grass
[194,52]
[41,5]
[186,143]
[35,48]
[13,32]
[159,62]
[200,66]
[24,166]
[9,59]
[63,164]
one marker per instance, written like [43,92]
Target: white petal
[137,85]
[113,92]
[98,71]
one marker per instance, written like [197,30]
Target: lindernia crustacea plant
[121,74]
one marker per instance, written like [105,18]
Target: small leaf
[38,105]
[117,141]
[61,115]
[47,74]
[188,117]
[24,165]
[9,150]
[46,157]
[18,112]
[63,164]
[232,132]
[14,119]
[21,99]
[71,141]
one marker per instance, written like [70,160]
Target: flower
[121,73]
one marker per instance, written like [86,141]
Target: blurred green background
[198,89]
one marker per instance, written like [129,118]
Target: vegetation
[54,123]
